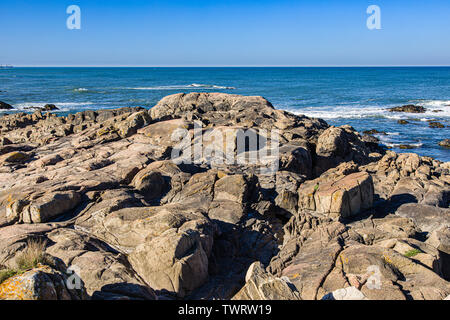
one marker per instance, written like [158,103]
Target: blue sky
[224,33]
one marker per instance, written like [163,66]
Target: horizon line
[224,66]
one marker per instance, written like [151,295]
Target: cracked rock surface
[341,218]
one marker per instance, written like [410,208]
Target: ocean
[355,96]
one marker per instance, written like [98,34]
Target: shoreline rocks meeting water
[340,218]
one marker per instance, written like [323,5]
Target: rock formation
[340,218]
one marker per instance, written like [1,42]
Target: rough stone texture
[349,293]
[101,189]
[262,286]
[345,197]
[408,108]
[42,283]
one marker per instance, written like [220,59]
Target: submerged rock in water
[374,131]
[410,108]
[407,146]
[49,107]
[402,121]
[445,143]
[435,124]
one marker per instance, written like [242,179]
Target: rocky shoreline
[341,218]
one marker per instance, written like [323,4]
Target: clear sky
[224,33]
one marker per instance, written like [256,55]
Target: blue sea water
[355,96]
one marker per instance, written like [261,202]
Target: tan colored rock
[134,122]
[349,293]
[344,198]
[105,274]
[41,283]
[260,285]
[440,239]
[50,206]
[175,261]
[231,188]
[14,157]
[149,183]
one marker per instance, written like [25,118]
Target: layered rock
[114,197]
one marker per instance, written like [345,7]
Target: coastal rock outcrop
[409,108]
[128,200]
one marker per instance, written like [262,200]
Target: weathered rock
[349,293]
[151,184]
[374,131]
[132,220]
[440,239]
[343,198]
[337,145]
[14,157]
[408,108]
[105,273]
[176,106]
[42,283]
[176,260]
[263,286]
[427,218]
[50,206]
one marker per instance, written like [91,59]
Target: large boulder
[41,283]
[169,246]
[5,106]
[42,209]
[427,218]
[179,105]
[344,198]
[337,145]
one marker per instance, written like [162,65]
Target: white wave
[397,145]
[181,87]
[63,106]
[80,90]
[435,109]
[339,112]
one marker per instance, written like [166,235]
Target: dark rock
[374,131]
[5,106]
[435,124]
[49,107]
[406,146]
[402,122]
[445,143]
[408,108]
